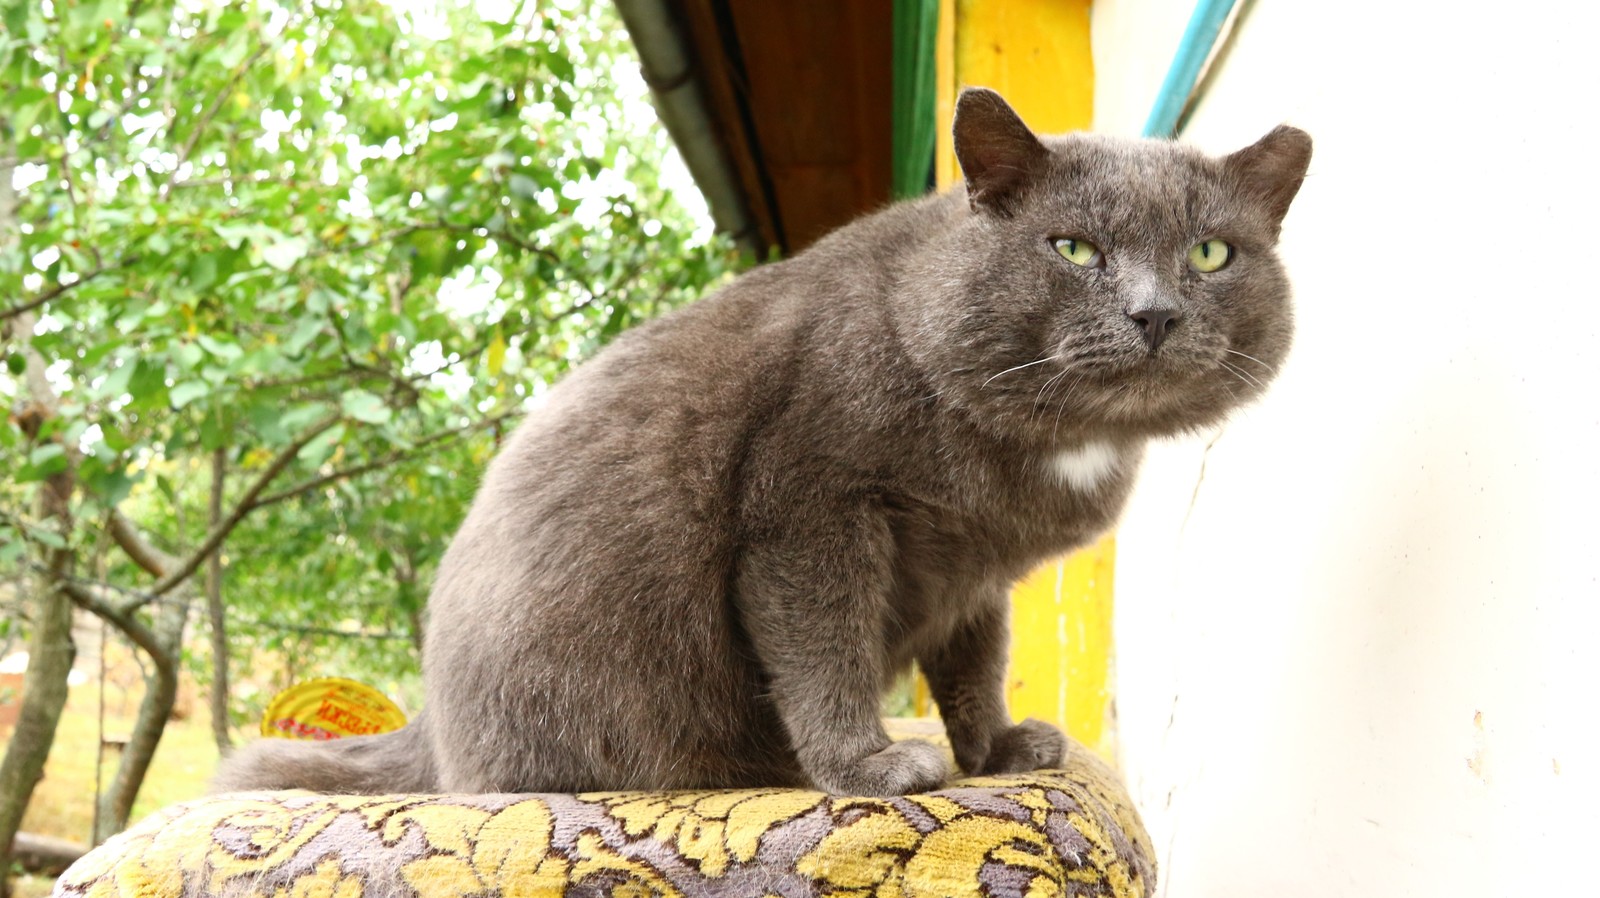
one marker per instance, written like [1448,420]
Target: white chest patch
[1085,467]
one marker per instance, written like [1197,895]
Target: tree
[307,260]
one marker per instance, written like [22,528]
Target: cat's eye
[1079,252]
[1209,256]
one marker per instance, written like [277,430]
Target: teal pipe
[1198,39]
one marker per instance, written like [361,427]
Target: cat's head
[1102,287]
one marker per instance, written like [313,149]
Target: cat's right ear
[1272,168]
[996,150]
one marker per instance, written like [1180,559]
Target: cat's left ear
[996,150]
[1272,168]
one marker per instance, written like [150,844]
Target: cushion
[1068,832]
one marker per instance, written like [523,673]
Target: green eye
[1209,256]
[1079,252]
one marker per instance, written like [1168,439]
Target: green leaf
[148,384]
[304,332]
[10,553]
[111,484]
[317,451]
[189,391]
[223,350]
[237,235]
[114,438]
[44,461]
[364,406]
[165,487]
[284,253]
[46,452]
[187,355]
[215,431]
[300,417]
[203,271]
[16,17]
[523,187]
[46,536]
[614,322]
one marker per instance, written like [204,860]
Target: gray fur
[703,560]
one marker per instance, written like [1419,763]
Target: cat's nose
[1156,323]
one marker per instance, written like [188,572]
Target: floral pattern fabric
[1052,833]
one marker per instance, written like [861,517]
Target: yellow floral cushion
[1053,833]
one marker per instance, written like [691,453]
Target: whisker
[1049,358]
[1253,378]
[1238,373]
[1244,376]
[1253,359]
[1056,430]
[1039,399]
[1049,395]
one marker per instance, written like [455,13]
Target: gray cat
[703,560]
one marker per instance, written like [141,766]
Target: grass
[29,886]
[63,802]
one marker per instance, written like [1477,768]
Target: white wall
[1367,660]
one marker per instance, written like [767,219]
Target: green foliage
[342,242]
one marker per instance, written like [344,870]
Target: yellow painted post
[1034,52]
[1037,54]
[1061,647]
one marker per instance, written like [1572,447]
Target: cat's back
[636,456]
[685,385]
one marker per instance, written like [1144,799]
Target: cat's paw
[1030,745]
[904,767]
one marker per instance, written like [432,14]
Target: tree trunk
[44,695]
[50,648]
[44,686]
[217,613]
[155,709]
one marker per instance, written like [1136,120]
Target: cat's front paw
[1030,745]
[904,767]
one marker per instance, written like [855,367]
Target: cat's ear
[1272,168]
[996,150]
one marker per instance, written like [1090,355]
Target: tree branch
[144,553]
[573,309]
[385,237]
[175,571]
[303,380]
[364,372]
[66,155]
[407,230]
[223,180]
[34,303]
[210,113]
[386,461]
[243,507]
[517,242]
[96,600]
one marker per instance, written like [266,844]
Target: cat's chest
[1002,511]
[996,519]
[1064,484]
[1083,468]
[1059,499]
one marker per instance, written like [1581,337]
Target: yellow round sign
[330,708]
